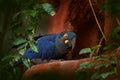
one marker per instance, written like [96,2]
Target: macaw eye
[67,41]
[65,35]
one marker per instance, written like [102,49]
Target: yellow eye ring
[67,41]
[65,35]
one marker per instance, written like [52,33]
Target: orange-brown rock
[66,70]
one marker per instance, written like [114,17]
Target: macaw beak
[73,42]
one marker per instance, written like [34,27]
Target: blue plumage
[46,48]
[53,46]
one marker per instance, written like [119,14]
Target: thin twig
[99,44]
[118,21]
[97,20]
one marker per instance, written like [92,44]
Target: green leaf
[32,13]
[100,58]
[19,41]
[105,75]
[48,8]
[102,66]
[111,46]
[22,51]
[22,46]
[112,7]
[26,62]
[85,50]
[17,57]
[107,47]
[96,47]
[113,62]
[91,54]
[30,35]
[95,76]
[31,27]
[115,33]
[33,46]
[84,65]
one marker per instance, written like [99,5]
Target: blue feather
[52,46]
[46,48]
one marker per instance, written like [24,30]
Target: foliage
[111,7]
[115,33]
[7,71]
[114,37]
[103,70]
[18,22]
[89,50]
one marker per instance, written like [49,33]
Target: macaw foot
[38,61]
[53,60]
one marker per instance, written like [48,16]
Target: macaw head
[65,41]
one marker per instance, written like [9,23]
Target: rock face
[77,16]
[66,70]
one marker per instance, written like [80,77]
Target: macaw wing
[45,50]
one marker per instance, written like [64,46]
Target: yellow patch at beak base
[66,41]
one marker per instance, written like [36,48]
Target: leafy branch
[24,16]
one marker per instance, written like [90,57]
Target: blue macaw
[53,46]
